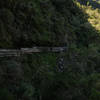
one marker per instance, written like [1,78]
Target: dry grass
[93,16]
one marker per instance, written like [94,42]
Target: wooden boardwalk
[19,52]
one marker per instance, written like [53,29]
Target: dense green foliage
[37,77]
[39,22]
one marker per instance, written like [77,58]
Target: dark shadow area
[40,76]
[92,3]
[24,25]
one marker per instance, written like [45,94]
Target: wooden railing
[19,52]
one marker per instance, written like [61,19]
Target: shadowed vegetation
[26,23]
[94,3]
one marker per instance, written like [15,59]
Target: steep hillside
[38,22]
[72,75]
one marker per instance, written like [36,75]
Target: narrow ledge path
[19,52]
